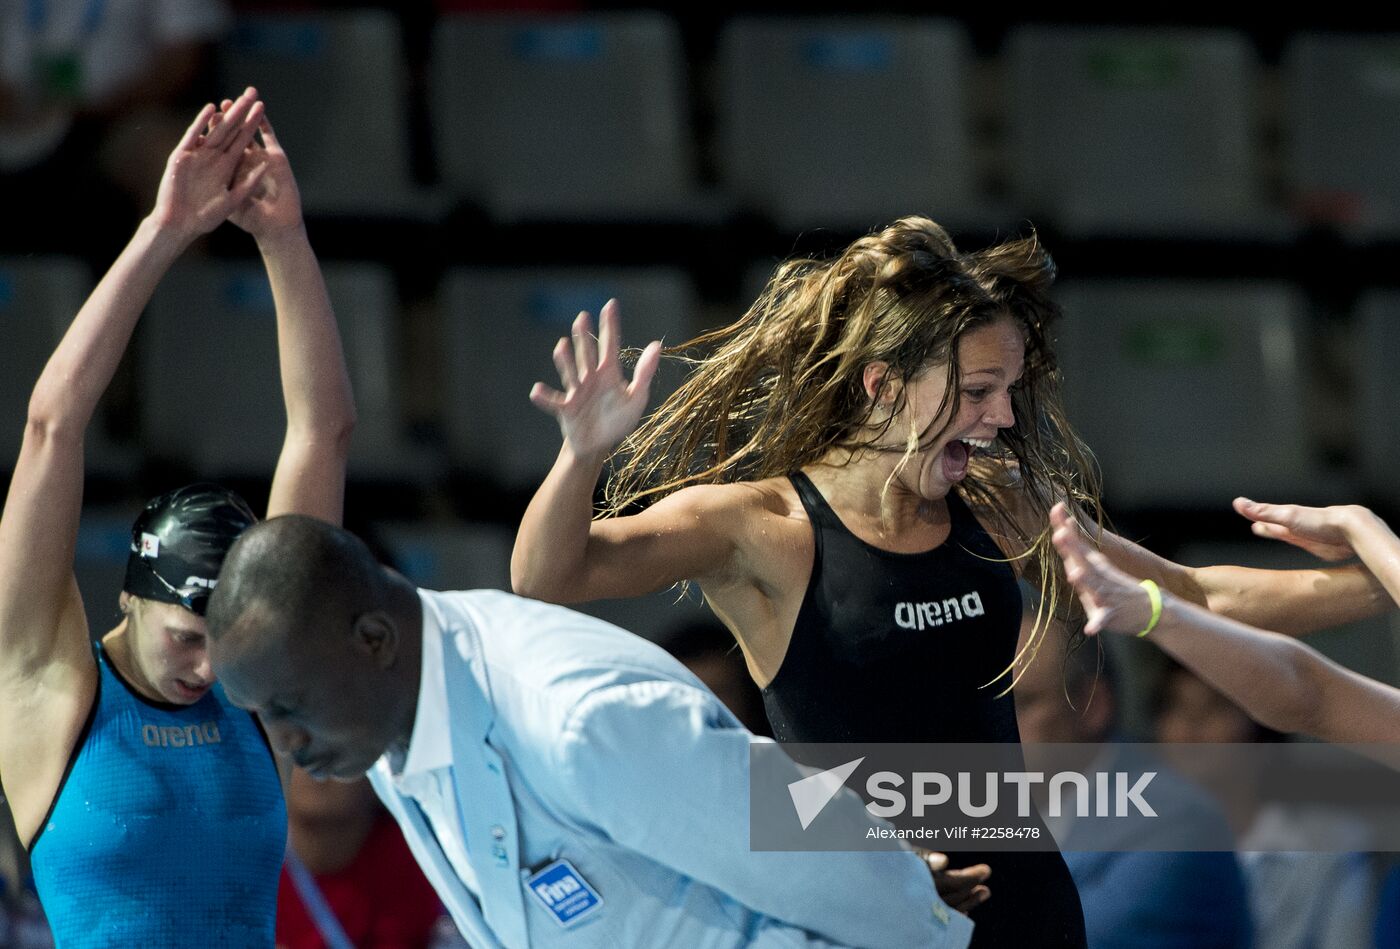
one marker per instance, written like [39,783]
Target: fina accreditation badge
[560,889]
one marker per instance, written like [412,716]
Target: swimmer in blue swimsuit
[151,807]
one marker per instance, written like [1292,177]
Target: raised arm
[310,475]
[202,183]
[561,553]
[1278,681]
[47,674]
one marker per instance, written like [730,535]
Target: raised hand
[205,179]
[275,204]
[598,407]
[1321,531]
[1112,599]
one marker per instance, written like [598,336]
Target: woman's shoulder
[763,521]
[773,496]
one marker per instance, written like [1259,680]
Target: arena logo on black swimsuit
[938,612]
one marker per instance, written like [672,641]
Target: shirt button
[940,913]
[498,832]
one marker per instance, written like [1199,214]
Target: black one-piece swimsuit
[865,664]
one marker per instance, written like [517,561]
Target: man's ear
[880,383]
[376,635]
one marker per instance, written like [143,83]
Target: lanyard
[315,902]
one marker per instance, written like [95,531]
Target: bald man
[561,781]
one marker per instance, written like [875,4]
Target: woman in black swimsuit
[855,473]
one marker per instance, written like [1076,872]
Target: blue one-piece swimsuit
[168,829]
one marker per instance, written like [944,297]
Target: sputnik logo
[812,794]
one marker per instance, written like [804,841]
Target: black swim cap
[179,542]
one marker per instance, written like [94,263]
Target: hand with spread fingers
[205,179]
[1112,599]
[1277,680]
[598,407]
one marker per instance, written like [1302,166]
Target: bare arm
[1277,680]
[1295,602]
[310,476]
[38,529]
[47,675]
[1332,533]
[1288,601]
[551,545]
[563,554]
[690,535]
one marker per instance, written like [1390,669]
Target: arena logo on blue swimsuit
[938,612]
[178,736]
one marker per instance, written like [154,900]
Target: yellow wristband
[1154,594]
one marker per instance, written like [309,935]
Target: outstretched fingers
[1084,567]
[1259,512]
[1320,531]
[1280,519]
[585,345]
[609,333]
[1071,549]
[564,363]
[645,370]
[246,131]
[547,399]
[1067,537]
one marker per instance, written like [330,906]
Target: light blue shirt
[562,737]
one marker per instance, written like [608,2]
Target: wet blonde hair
[784,385]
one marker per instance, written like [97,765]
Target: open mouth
[958,452]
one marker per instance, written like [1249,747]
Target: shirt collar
[430,744]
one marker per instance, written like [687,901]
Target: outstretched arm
[1339,532]
[1278,681]
[310,476]
[1288,601]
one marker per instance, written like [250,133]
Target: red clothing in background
[382,899]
